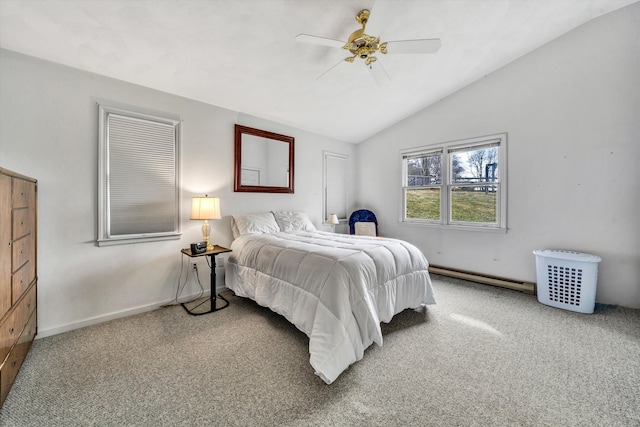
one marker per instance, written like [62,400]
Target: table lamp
[333,220]
[205,208]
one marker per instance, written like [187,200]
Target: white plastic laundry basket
[567,279]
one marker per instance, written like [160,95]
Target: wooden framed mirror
[263,161]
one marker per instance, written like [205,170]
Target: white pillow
[234,228]
[254,224]
[293,221]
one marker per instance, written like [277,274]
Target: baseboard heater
[526,287]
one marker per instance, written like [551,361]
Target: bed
[335,288]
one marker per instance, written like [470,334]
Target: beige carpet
[482,356]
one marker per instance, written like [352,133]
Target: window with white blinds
[138,177]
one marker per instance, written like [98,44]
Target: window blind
[476,146]
[420,154]
[142,187]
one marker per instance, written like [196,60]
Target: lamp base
[206,231]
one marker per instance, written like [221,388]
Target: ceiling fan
[364,47]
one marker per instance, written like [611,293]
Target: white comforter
[335,288]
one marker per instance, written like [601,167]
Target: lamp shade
[333,219]
[205,208]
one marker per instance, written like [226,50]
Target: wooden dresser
[18,273]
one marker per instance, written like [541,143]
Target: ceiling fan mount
[363,16]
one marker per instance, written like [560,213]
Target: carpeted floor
[482,356]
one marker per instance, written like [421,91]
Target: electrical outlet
[195,266]
[220,262]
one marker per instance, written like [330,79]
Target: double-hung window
[456,184]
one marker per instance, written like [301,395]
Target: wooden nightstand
[213,297]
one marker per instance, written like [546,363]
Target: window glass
[474,165]
[423,203]
[424,170]
[474,204]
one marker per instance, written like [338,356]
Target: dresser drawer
[16,320]
[21,192]
[21,280]
[22,223]
[22,249]
[29,331]
[9,370]
[25,308]
[8,334]
[8,373]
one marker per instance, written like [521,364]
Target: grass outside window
[466,206]
[423,204]
[473,206]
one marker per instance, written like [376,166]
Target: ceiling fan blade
[380,11]
[323,41]
[379,74]
[414,46]
[326,72]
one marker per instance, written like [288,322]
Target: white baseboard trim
[47,332]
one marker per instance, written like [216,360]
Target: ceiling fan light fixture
[363,46]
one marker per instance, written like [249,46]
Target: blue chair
[362,215]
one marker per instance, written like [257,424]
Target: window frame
[447,149]
[105,235]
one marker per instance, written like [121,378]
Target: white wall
[571,111]
[49,130]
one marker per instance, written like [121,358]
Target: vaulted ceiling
[243,54]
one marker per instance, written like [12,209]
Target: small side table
[213,297]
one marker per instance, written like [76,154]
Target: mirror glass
[263,161]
